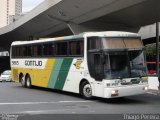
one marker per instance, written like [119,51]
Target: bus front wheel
[86,90]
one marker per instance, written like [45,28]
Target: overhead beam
[76,29]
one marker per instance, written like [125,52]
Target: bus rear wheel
[86,90]
[28,82]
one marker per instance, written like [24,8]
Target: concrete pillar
[157,46]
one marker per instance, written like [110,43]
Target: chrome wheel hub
[87,91]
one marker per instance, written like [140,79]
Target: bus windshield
[113,58]
[124,65]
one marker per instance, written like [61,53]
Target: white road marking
[44,111]
[58,111]
[75,101]
[33,103]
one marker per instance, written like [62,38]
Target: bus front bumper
[123,91]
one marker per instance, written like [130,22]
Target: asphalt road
[37,103]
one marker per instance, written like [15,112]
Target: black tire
[28,82]
[86,90]
[22,81]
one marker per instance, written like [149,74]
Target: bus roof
[85,34]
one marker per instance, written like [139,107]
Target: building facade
[8,9]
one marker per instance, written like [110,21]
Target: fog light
[145,88]
[145,78]
[114,93]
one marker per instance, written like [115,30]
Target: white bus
[102,64]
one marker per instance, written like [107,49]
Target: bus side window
[45,49]
[73,48]
[94,43]
[13,52]
[25,50]
[81,47]
[17,51]
[61,49]
[21,50]
[37,50]
[76,48]
[53,49]
[48,49]
[29,50]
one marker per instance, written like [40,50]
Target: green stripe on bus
[63,73]
[55,72]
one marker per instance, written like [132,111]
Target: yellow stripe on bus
[41,77]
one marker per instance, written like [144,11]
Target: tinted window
[37,50]
[94,43]
[58,48]
[48,49]
[13,51]
[23,51]
[29,50]
[61,48]
[76,48]
[17,51]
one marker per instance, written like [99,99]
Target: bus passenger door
[99,73]
[96,61]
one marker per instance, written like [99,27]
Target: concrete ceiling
[54,17]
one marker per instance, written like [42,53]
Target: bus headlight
[114,93]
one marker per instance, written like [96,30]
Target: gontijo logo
[33,63]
